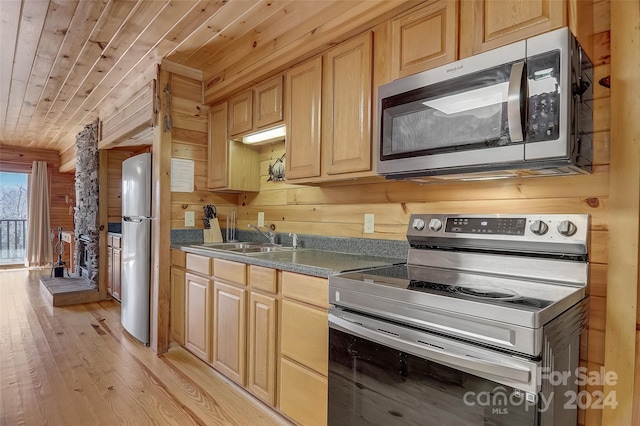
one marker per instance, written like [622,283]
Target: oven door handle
[480,366]
[514,102]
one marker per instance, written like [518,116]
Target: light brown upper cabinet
[303,103]
[257,108]
[241,113]
[232,166]
[328,114]
[424,37]
[267,103]
[487,24]
[346,107]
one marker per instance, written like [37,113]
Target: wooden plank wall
[338,210]
[114,179]
[62,191]
[190,121]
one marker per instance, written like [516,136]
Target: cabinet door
[229,331]
[197,333]
[110,270]
[346,114]
[303,394]
[262,347]
[302,112]
[487,24]
[305,335]
[117,269]
[267,103]
[177,305]
[241,113]
[424,37]
[217,166]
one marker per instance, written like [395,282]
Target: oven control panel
[485,225]
[551,232]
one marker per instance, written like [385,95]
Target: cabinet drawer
[178,258]
[305,288]
[305,335]
[261,278]
[230,271]
[303,394]
[110,240]
[200,264]
[116,242]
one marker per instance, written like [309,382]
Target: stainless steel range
[480,327]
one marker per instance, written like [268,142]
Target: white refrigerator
[136,245]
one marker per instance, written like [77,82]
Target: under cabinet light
[271,135]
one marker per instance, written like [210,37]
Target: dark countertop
[319,263]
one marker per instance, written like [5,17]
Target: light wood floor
[75,365]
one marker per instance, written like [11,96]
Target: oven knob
[418,224]
[567,228]
[435,224]
[538,227]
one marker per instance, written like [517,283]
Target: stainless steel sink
[242,247]
[257,250]
[226,246]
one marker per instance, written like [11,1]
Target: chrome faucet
[294,238]
[271,236]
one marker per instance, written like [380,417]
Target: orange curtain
[39,250]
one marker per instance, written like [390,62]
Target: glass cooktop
[479,288]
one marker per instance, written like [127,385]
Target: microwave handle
[514,102]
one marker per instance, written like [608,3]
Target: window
[13,217]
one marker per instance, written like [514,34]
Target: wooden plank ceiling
[62,61]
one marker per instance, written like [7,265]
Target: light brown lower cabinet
[114,266]
[117,273]
[274,346]
[176,320]
[262,347]
[110,270]
[305,335]
[198,310]
[303,394]
[304,346]
[229,331]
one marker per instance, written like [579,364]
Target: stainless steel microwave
[524,109]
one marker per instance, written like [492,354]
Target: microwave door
[472,119]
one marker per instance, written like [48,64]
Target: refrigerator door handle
[135,219]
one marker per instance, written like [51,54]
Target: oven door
[382,374]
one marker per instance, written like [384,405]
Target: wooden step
[64,291]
